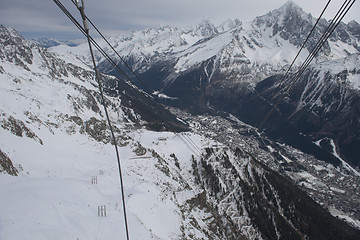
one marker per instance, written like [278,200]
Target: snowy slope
[50,42]
[252,51]
[177,185]
[248,52]
[346,70]
[143,47]
[53,195]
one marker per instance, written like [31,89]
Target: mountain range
[237,66]
[192,171]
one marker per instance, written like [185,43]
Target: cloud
[44,17]
[34,16]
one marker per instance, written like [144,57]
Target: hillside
[186,176]
[226,68]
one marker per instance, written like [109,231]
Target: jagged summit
[7,30]
[354,28]
[290,5]
[289,14]
[206,28]
[9,34]
[354,23]
[229,24]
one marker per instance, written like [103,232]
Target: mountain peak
[207,28]
[354,28]
[288,10]
[290,5]
[229,24]
[10,32]
[290,17]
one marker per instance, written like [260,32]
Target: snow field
[53,197]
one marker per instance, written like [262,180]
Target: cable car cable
[330,29]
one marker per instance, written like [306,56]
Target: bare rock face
[6,165]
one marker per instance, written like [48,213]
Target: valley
[195,163]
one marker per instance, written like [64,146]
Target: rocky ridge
[55,136]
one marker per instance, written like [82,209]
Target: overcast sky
[42,18]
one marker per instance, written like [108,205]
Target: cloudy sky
[42,18]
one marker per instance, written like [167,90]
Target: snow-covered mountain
[150,45]
[206,67]
[246,51]
[50,42]
[218,181]
[59,173]
[54,143]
